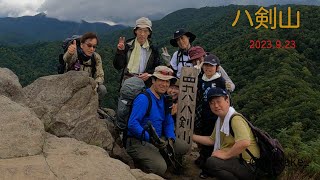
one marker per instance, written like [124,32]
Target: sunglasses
[90,45]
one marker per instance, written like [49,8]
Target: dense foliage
[277,89]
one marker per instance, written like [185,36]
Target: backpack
[272,159]
[62,66]
[130,89]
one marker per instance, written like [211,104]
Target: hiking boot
[203,175]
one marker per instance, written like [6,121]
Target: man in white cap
[146,154]
[137,56]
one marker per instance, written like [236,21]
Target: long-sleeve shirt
[161,121]
[99,74]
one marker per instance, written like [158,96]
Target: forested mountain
[39,28]
[278,89]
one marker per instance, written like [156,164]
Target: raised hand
[228,86]
[165,56]
[72,47]
[144,76]
[121,42]
[165,51]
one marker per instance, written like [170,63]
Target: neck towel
[224,128]
[135,57]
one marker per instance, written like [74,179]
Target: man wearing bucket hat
[137,56]
[147,154]
[197,55]
[183,40]
[229,159]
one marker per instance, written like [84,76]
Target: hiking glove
[161,145]
[171,142]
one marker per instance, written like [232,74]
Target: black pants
[207,127]
[230,169]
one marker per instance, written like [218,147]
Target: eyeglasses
[90,45]
[145,31]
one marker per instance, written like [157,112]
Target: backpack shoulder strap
[149,102]
[232,133]
[93,65]
[233,115]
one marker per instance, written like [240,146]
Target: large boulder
[10,86]
[72,159]
[21,131]
[67,104]
[67,158]
[26,168]
[138,174]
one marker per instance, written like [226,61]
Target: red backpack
[272,159]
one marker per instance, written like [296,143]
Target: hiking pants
[102,91]
[148,157]
[230,169]
[207,127]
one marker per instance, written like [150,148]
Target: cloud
[14,8]
[127,11]
[119,11]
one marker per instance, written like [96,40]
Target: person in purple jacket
[146,154]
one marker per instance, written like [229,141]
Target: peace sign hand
[165,55]
[121,43]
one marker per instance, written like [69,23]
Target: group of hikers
[222,152]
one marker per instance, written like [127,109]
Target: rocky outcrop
[21,132]
[67,104]
[67,158]
[72,159]
[10,86]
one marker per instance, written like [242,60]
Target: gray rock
[67,104]
[10,86]
[138,174]
[72,159]
[21,132]
[26,168]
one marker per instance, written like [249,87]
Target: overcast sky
[119,11]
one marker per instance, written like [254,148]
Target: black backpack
[272,159]
[62,66]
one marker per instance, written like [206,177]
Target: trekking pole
[106,114]
[168,151]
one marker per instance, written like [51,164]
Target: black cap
[212,59]
[180,33]
[216,92]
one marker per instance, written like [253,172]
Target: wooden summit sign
[186,104]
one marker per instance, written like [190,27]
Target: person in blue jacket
[146,154]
